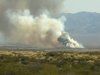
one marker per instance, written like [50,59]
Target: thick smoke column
[36,7]
[40,31]
[26,22]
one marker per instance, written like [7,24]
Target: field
[24,62]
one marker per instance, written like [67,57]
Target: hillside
[84,27]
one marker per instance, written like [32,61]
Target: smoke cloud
[39,31]
[36,6]
[27,22]
[69,42]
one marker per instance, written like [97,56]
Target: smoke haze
[36,6]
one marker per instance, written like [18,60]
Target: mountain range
[84,27]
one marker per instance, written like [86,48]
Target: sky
[74,6]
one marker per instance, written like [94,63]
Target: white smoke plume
[36,7]
[69,42]
[26,22]
[42,31]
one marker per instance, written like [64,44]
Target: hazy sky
[83,5]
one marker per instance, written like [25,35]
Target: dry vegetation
[49,63]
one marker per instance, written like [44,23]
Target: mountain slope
[84,27]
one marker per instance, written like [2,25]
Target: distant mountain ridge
[85,22]
[85,27]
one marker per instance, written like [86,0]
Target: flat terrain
[50,62]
